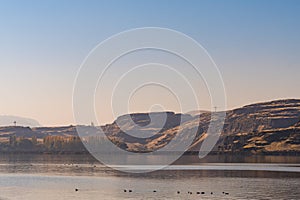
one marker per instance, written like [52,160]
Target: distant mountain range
[8,120]
[262,128]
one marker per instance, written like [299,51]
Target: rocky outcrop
[269,127]
[260,128]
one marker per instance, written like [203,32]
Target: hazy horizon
[254,44]
[26,121]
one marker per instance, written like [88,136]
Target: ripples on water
[56,177]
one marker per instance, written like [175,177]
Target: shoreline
[193,153]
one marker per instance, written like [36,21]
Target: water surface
[56,177]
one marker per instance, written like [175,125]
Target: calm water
[56,177]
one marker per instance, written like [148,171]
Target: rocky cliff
[269,127]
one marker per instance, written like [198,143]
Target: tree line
[50,144]
[56,144]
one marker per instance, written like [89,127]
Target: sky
[255,44]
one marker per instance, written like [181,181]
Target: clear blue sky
[256,45]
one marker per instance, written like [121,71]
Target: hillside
[262,128]
[270,127]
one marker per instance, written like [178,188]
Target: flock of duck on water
[178,192]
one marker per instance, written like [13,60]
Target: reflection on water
[57,176]
[187,159]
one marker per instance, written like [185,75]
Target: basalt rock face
[262,116]
[270,127]
[138,130]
